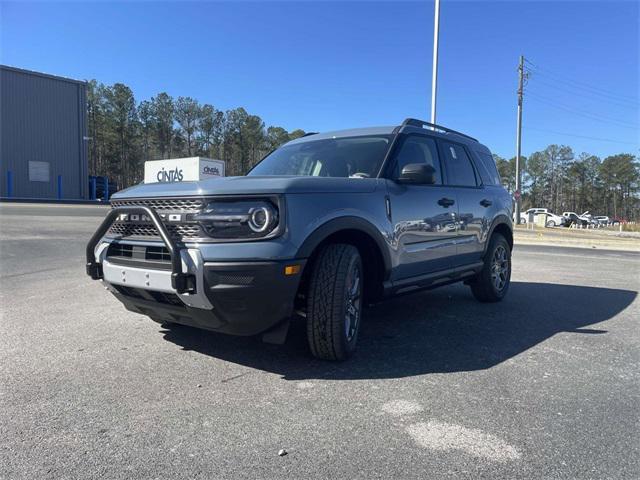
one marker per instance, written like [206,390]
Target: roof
[40,74]
[352,132]
[408,128]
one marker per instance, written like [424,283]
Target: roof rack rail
[309,133]
[413,122]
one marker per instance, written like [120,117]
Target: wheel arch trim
[338,224]
[497,221]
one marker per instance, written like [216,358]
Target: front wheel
[492,283]
[551,223]
[334,302]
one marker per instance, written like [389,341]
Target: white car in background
[591,219]
[583,220]
[553,220]
[603,220]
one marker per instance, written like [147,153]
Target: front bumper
[245,298]
[236,297]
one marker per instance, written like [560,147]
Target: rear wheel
[334,302]
[492,283]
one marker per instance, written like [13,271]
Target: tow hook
[183,282]
[94,270]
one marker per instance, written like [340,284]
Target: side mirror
[418,174]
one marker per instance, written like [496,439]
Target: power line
[582,113]
[580,84]
[602,99]
[566,78]
[580,136]
[625,100]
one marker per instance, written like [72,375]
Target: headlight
[238,219]
[261,218]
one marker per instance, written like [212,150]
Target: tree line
[125,133]
[556,178]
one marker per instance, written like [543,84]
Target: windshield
[356,157]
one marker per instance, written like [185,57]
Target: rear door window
[460,171]
[487,167]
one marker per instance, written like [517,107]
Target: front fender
[346,223]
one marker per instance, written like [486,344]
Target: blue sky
[330,65]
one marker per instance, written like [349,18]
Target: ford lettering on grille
[172,211]
[167,217]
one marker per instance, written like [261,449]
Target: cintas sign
[170,176]
[182,170]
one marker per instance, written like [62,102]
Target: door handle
[446,202]
[486,202]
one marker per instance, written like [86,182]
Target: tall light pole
[434,71]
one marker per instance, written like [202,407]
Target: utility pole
[434,71]
[518,193]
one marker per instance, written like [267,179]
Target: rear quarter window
[487,167]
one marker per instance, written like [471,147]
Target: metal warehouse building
[43,136]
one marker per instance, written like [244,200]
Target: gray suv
[319,228]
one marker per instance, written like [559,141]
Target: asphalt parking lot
[543,385]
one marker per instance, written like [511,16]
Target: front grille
[138,252]
[150,295]
[157,254]
[120,250]
[147,231]
[128,291]
[139,256]
[184,205]
[167,298]
[235,279]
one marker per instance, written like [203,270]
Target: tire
[485,286]
[334,302]
[551,223]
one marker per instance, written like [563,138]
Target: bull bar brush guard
[181,281]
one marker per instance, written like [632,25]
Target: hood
[251,186]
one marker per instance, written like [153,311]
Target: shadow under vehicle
[439,331]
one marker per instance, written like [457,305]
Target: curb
[586,245]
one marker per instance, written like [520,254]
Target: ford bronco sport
[320,227]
